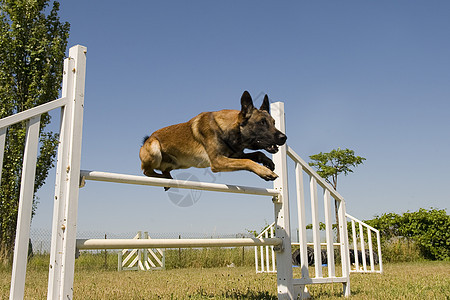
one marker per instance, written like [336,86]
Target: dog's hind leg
[151,157]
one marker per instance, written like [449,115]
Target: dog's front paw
[268,175]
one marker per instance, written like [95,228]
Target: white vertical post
[119,261]
[363,249]
[281,206]
[54,279]
[315,225]
[369,241]
[145,254]
[301,220]
[262,258]
[62,256]
[355,246]
[329,233]
[256,259]
[267,252]
[2,148]
[345,259]
[25,208]
[271,248]
[380,263]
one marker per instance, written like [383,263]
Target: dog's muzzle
[281,139]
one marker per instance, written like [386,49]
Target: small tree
[330,165]
[33,46]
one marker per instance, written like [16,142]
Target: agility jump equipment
[68,174]
[141,259]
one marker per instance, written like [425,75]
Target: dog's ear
[265,105]
[246,105]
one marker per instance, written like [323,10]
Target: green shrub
[427,230]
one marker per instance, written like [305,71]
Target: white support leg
[345,258]
[62,254]
[2,148]
[25,208]
[282,225]
[301,220]
[329,233]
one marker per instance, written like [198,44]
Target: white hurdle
[69,176]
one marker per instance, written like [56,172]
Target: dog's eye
[263,122]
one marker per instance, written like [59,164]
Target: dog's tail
[145,139]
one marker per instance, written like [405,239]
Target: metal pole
[162,182]
[84,244]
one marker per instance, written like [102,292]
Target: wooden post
[62,253]
[281,207]
[25,207]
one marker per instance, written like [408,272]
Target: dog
[217,140]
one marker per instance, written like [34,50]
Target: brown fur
[216,140]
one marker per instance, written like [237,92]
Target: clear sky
[372,76]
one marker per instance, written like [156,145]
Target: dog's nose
[281,138]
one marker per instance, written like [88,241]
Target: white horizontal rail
[361,222]
[295,157]
[35,111]
[90,244]
[162,182]
[302,281]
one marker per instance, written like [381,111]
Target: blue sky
[370,76]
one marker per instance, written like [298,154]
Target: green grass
[410,280]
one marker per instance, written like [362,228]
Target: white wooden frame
[329,195]
[71,104]
[68,174]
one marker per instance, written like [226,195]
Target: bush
[425,230]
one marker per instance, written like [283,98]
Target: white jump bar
[162,182]
[91,244]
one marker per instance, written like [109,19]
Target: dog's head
[258,127]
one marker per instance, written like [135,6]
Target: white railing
[265,256]
[329,195]
[265,262]
[146,259]
[73,82]
[360,253]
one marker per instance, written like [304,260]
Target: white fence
[141,259]
[361,252]
[265,256]
[68,173]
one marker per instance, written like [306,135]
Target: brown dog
[217,140]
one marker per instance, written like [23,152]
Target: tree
[33,46]
[330,165]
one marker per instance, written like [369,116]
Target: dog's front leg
[259,157]
[226,164]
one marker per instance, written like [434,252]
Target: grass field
[412,280]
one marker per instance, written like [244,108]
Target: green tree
[330,165]
[33,42]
